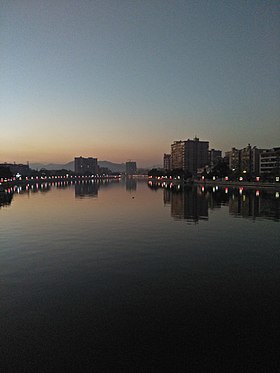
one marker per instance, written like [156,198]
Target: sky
[121,80]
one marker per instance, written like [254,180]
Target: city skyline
[123,80]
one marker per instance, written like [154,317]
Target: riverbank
[6,184]
[221,183]
[238,184]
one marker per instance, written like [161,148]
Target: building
[234,159]
[246,160]
[167,162]
[130,168]
[269,161]
[214,156]
[86,165]
[196,154]
[255,158]
[177,155]
[21,169]
[189,155]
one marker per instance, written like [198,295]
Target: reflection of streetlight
[277,179]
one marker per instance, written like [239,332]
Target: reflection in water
[253,204]
[5,199]
[111,283]
[192,204]
[86,189]
[130,184]
[189,205]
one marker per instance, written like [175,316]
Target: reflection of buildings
[5,199]
[130,184]
[167,196]
[86,189]
[252,205]
[190,205]
[217,197]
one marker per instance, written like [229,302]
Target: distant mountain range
[114,167]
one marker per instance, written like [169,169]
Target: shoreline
[239,184]
[36,180]
[226,184]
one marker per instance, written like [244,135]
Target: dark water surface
[126,277]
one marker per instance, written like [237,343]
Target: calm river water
[129,277]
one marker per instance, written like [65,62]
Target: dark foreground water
[125,277]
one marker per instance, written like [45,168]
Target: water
[126,277]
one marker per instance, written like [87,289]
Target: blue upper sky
[123,79]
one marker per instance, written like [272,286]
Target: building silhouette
[130,168]
[15,168]
[86,165]
[189,155]
[253,160]
[269,161]
[167,162]
[177,155]
[214,156]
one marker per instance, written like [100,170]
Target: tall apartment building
[167,162]
[189,155]
[269,160]
[177,155]
[131,168]
[214,155]
[245,160]
[86,165]
[234,159]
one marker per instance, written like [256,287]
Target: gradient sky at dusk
[122,80]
